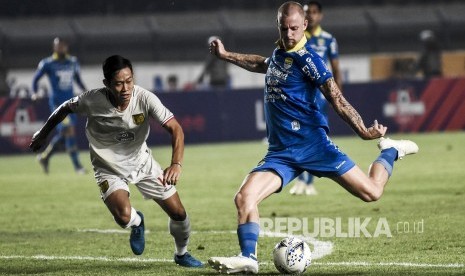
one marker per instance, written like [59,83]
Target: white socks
[135,219]
[180,230]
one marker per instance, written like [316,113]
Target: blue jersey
[291,89]
[61,74]
[323,43]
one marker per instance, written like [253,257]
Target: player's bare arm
[250,62]
[348,113]
[173,172]
[40,137]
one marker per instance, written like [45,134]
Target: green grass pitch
[46,221]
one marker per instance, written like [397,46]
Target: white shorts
[148,179]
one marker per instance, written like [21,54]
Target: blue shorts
[321,158]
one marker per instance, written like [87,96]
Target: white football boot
[298,188]
[236,264]
[403,147]
[310,190]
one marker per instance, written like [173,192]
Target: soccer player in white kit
[117,129]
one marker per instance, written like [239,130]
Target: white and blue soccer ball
[292,256]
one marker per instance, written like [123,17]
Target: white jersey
[117,138]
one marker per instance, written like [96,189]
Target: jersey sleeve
[313,67]
[156,109]
[41,68]
[79,104]
[333,51]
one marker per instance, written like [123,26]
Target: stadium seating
[397,28]
[104,36]
[182,36]
[453,17]
[27,41]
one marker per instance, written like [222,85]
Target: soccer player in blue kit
[325,45]
[62,71]
[297,133]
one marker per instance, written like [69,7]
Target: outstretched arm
[173,172]
[348,113]
[40,137]
[35,80]
[250,62]
[77,77]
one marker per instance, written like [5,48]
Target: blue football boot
[137,238]
[187,260]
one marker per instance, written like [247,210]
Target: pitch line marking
[320,248]
[154,260]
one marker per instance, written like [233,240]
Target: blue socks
[248,238]
[387,158]
[306,177]
[71,146]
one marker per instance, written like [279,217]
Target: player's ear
[305,24]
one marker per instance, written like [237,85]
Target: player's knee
[244,203]
[123,216]
[178,215]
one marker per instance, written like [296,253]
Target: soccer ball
[292,256]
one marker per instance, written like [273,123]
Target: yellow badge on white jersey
[138,119]
[104,186]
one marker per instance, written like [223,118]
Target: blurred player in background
[62,71]
[325,45]
[117,129]
[297,133]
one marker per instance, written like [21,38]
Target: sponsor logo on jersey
[288,63]
[138,119]
[125,136]
[302,52]
[313,70]
[104,186]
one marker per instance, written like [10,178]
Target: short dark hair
[317,4]
[113,64]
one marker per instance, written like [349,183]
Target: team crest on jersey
[138,119]
[321,42]
[288,63]
[104,186]
[295,125]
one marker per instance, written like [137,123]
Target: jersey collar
[299,45]
[55,56]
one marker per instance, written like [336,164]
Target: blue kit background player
[297,133]
[325,45]
[62,71]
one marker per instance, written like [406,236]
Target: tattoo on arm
[343,108]
[253,63]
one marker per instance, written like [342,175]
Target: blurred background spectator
[430,62]
[215,70]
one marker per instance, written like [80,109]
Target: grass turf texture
[45,215]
